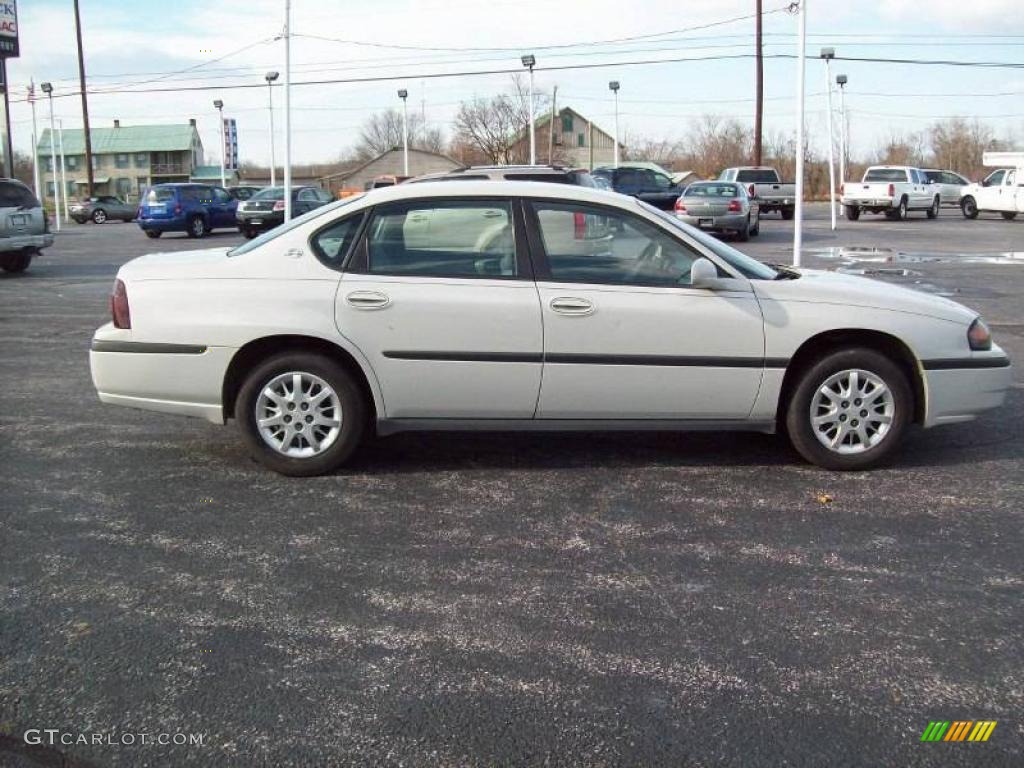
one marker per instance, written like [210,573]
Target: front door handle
[368,300]
[572,305]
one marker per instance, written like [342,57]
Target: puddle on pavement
[851,255]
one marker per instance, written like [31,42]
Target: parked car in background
[243,191]
[719,206]
[265,209]
[24,227]
[949,184]
[893,190]
[196,209]
[102,208]
[652,187]
[339,323]
[766,186]
[1001,192]
[555,174]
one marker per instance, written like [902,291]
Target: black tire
[350,397]
[969,207]
[743,235]
[197,227]
[99,216]
[16,262]
[900,214]
[757,226]
[852,212]
[249,233]
[933,211]
[152,234]
[798,410]
[1009,215]
[787,213]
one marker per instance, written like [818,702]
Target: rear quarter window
[16,196]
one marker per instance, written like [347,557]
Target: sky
[132,46]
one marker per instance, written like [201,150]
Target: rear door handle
[368,300]
[572,305]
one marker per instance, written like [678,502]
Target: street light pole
[270,78]
[48,90]
[841,81]
[219,105]
[828,54]
[529,61]
[798,218]
[287,110]
[613,86]
[63,176]
[403,94]
[35,142]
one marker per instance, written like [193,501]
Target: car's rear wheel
[249,233]
[1009,215]
[852,212]
[969,207]
[152,234]
[757,226]
[197,227]
[743,234]
[16,262]
[849,410]
[99,216]
[301,414]
[933,212]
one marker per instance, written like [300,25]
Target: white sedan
[467,306]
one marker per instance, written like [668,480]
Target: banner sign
[230,144]
[8,29]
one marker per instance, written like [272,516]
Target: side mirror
[703,274]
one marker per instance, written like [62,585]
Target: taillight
[279,206]
[119,306]
[680,208]
[734,206]
[579,222]
[892,190]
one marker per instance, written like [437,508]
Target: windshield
[711,190]
[270,193]
[746,266]
[885,174]
[271,234]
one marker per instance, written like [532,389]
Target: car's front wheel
[16,261]
[969,207]
[1009,215]
[99,216]
[301,414]
[197,227]
[933,212]
[849,410]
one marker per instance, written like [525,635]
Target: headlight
[979,337]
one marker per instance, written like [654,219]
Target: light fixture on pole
[287,110]
[48,90]
[841,81]
[270,77]
[828,54]
[798,213]
[529,61]
[219,106]
[403,94]
[613,86]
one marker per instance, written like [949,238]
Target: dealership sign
[8,29]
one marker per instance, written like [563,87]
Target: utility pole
[8,148]
[287,110]
[828,54]
[551,127]
[48,90]
[798,218]
[758,86]
[35,142]
[270,77]
[219,106]
[85,104]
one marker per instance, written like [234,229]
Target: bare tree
[958,145]
[383,131]
[495,127]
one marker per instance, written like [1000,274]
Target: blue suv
[195,209]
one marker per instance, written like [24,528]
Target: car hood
[822,287]
[174,265]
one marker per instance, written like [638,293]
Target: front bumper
[182,379]
[732,222]
[958,391]
[21,242]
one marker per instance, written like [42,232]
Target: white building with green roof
[127,159]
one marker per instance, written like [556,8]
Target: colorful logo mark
[958,730]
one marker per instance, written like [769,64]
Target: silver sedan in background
[719,206]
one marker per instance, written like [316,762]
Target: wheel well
[830,341]
[256,351]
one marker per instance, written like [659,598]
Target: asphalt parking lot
[574,599]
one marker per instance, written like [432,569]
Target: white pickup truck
[1001,192]
[766,186]
[890,189]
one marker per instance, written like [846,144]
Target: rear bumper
[877,202]
[267,220]
[958,390]
[181,379]
[21,242]
[177,224]
[733,222]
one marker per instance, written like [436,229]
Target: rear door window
[450,238]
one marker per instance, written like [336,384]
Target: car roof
[493,188]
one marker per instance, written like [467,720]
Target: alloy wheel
[298,414]
[852,411]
